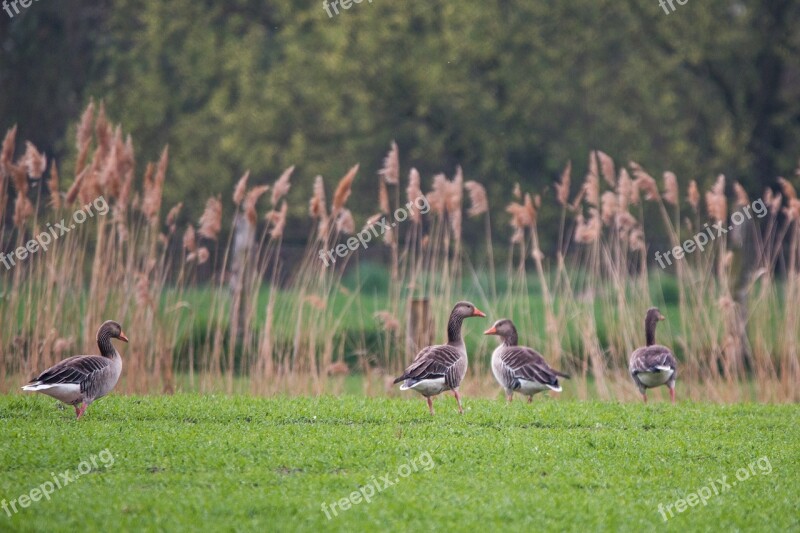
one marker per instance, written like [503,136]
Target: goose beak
[661,317]
[478,312]
[491,331]
[122,337]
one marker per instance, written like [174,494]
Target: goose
[81,379]
[440,368]
[653,365]
[519,368]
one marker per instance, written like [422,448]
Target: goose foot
[530,399]
[430,405]
[80,410]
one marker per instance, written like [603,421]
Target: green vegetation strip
[254,464]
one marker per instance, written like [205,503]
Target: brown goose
[441,368]
[80,380]
[653,365]
[519,368]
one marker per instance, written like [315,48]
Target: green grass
[254,464]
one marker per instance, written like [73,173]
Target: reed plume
[625,190]
[35,162]
[591,184]
[211,219]
[189,239]
[345,223]
[693,196]
[343,190]
[278,221]
[9,143]
[414,193]
[644,183]
[240,189]
[792,211]
[172,217]
[281,187]
[250,200]
[607,168]
[671,193]
[383,197]
[716,203]
[153,189]
[588,231]
[454,198]
[317,208]
[391,166]
[478,203]
[437,197]
[609,207]
[83,137]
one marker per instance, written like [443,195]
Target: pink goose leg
[458,399]
[672,395]
[430,404]
[80,411]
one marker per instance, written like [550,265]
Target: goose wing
[652,359]
[431,363]
[529,365]
[74,370]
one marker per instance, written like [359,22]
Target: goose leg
[530,399]
[644,397]
[672,394]
[458,399]
[80,411]
[509,397]
[430,405]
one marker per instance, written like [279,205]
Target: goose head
[502,328]
[112,329]
[653,317]
[466,310]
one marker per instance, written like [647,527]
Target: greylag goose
[440,368]
[519,368]
[81,379]
[653,365]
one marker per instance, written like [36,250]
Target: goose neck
[454,329]
[650,332]
[104,343]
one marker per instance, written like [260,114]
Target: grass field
[253,464]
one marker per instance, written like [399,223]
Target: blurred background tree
[511,90]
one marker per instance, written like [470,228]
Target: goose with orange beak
[81,379]
[519,368]
[653,365]
[440,368]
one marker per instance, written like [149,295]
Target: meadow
[252,464]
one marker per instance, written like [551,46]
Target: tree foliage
[511,90]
